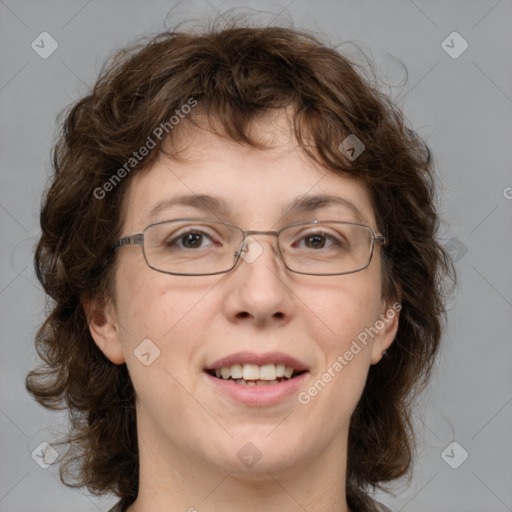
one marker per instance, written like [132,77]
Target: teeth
[253,372]
[237,371]
[268,372]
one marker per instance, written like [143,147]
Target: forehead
[254,188]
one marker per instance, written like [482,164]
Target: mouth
[249,374]
[248,369]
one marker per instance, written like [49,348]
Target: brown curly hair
[236,73]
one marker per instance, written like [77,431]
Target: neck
[171,479]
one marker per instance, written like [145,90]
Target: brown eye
[320,241]
[315,241]
[192,240]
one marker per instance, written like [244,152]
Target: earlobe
[103,328]
[388,323]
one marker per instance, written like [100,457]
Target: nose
[258,289]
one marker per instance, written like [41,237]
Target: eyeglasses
[201,247]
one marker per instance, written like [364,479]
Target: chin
[253,456]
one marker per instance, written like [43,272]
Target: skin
[189,434]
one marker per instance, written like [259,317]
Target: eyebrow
[218,206]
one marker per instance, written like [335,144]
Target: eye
[190,239]
[321,240]
[317,241]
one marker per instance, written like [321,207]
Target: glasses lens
[326,247]
[191,247]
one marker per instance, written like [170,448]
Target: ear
[104,328]
[388,327]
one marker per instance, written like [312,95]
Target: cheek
[153,312]
[346,307]
[346,312]
[170,311]
[149,303]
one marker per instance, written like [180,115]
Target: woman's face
[170,330]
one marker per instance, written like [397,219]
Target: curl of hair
[236,74]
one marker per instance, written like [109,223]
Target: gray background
[462,106]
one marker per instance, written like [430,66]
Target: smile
[249,374]
[257,379]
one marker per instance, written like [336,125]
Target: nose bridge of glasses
[271,233]
[243,247]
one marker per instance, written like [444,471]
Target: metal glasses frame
[138,239]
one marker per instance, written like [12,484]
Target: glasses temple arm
[129,240]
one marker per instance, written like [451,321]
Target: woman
[239,241]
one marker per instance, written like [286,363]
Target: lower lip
[258,395]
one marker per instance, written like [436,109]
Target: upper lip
[259,359]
